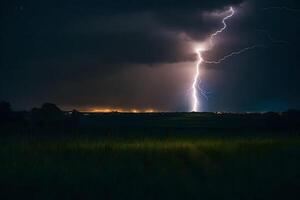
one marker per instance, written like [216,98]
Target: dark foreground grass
[174,168]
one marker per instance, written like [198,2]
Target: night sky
[140,54]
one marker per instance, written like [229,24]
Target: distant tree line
[50,119]
[47,118]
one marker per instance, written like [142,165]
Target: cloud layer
[91,53]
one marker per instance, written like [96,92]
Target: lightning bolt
[234,53]
[212,36]
[246,48]
[197,80]
[196,83]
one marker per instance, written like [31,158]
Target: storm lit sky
[140,54]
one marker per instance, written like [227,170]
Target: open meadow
[48,154]
[150,168]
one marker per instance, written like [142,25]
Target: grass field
[150,168]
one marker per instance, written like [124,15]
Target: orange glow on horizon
[109,110]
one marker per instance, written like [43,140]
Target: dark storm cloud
[90,52]
[41,26]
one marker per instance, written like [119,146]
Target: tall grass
[149,168]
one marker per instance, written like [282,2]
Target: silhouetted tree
[49,115]
[75,114]
[50,112]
